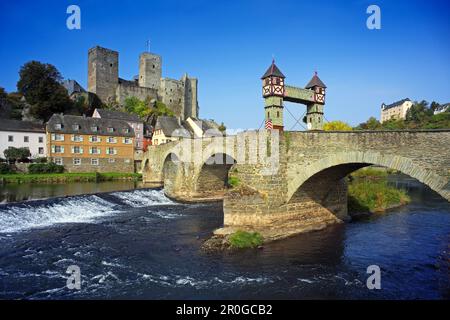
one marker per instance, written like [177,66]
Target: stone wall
[119,165]
[103,73]
[127,89]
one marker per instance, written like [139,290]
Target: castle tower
[273,93]
[103,73]
[314,111]
[150,66]
[190,97]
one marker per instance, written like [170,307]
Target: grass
[243,239]
[369,191]
[67,177]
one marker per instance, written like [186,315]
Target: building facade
[23,134]
[133,120]
[85,144]
[396,110]
[168,129]
[103,79]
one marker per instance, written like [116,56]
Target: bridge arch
[211,176]
[339,165]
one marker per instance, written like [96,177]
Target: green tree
[371,124]
[17,154]
[41,86]
[337,126]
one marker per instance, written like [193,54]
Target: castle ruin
[180,96]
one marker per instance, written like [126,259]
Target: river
[140,244]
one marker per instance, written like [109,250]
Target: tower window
[278,114]
[268,114]
[153,66]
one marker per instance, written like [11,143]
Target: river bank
[18,178]
[369,192]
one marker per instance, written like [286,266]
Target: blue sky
[229,44]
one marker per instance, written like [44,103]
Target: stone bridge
[292,182]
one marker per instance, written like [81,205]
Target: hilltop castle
[180,96]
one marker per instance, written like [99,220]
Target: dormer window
[126,130]
[110,129]
[94,128]
[76,127]
[58,126]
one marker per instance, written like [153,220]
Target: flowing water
[140,244]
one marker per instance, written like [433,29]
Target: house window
[111,140]
[58,161]
[94,162]
[77,138]
[111,151]
[94,150]
[76,127]
[10,138]
[126,130]
[77,149]
[127,160]
[77,161]
[95,139]
[110,129]
[41,139]
[41,150]
[127,140]
[156,141]
[26,139]
[58,149]
[94,128]
[57,137]
[111,160]
[58,126]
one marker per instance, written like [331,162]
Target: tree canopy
[337,126]
[419,116]
[146,109]
[17,154]
[41,86]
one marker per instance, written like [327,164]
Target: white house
[19,134]
[396,110]
[442,108]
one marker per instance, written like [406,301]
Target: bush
[49,167]
[5,168]
[233,181]
[243,239]
[40,160]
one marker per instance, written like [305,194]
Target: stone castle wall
[127,89]
[180,96]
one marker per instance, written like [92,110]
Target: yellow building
[84,144]
[396,110]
